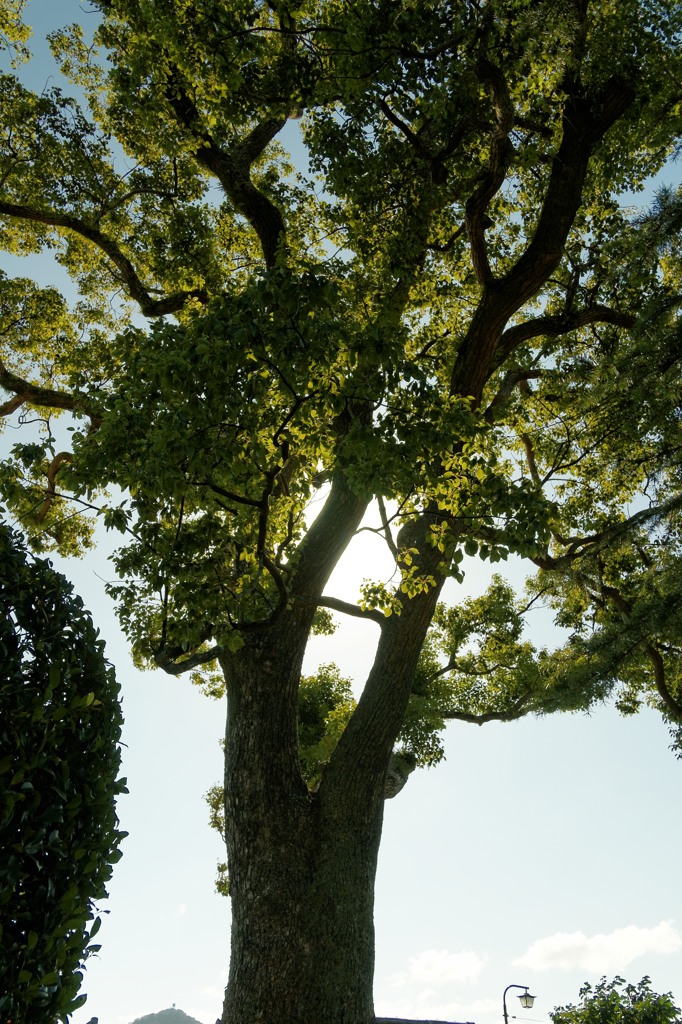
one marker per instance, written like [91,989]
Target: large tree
[451,320]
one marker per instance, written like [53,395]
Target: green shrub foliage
[616,1002]
[59,766]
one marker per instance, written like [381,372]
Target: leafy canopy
[452,313]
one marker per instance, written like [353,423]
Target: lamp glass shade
[527,1000]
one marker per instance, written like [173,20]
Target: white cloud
[182,908]
[438,968]
[599,954]
[216,993]
[421,1006]
[203,1015]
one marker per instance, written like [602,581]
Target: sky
[543,852]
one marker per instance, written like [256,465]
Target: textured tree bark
[302,865]
[301,881]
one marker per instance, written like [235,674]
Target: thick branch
[511,379]
[232,168]
[500,152]
[149,307]
[530,458]
[258,139]
[488,716]
[234,175]
[327,538]
[26,392]
[659,678]
[177,668]
[585,120]
[363,752]
[7,408]
[52,471]
[553,326]
[400,767]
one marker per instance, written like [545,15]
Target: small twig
[450,244]
[344,607]
[386,527]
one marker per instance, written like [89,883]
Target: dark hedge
[59,762]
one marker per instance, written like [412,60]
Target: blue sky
[542,852]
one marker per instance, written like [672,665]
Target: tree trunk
[301,874]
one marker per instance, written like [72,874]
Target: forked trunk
[302,865]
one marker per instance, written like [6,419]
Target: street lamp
[526,998]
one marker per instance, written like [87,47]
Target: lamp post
[526,998]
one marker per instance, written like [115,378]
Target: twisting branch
[553,326]
[500,151]
[584,122]
[509,382]
[664,693]
[51,485]
[530,458]
[232,168]
[128,275]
